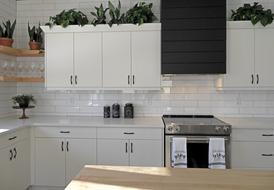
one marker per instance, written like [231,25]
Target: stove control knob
[226,129]
[217,129]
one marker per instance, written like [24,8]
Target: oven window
[197,155]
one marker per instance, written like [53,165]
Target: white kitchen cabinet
[5,166]
[146,59]
[249,57]
[125,146]
[87,60]
[116,59]
[70,150]
[113,152]
[59,60]
[49,162]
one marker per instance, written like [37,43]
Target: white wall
[191,94]
[7,90]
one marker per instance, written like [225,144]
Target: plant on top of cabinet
[255,13]
[140,13]
[70,17]
[6,33]
[35,35]
[115,14]
[100,15]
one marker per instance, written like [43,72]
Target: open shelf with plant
[21,79]
[21,52]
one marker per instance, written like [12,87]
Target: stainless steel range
[198,129]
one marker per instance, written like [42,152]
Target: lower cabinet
[58,160]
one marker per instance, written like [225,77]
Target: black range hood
[193,36]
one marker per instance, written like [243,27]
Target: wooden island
[150,178]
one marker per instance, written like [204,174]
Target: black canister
[129,110]
[106,111]
[116,111]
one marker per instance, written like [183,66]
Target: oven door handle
[197,139]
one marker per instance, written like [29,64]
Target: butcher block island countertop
[150,178]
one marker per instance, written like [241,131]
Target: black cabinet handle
[11,155]
[76,79]
[268,155]
[252,79]
[258,79]
[128,80]
[12,138]
[267,135]
[65,132]
[126,147]
[125,133]
[133,79]
[15,153]
[71,80]
[131,147]
[62,146]
[67,146]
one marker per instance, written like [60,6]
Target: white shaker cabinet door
[5,168]
[116,59]
[88,60]
[59,60]
[79,152]
[146,59]
[146,153]
[113,152]
[240,58]
[264,57]
[50,162]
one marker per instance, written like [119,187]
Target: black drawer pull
[15,153]
[12,138]
[11,154]
[267,135]
[125,133]
[65,132]
[267,155]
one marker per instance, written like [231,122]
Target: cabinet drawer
[252,135]
[13,137]
[65,132]
[129,133]
[252,155]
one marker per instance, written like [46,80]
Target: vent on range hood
[193,36]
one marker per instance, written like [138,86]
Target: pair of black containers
[128,111]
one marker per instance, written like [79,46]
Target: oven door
[197,150]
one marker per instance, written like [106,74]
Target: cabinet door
[116,59]
[146,59]
[79,152]
[146,153]
[5,169]
[21,165]
[264,56]
[113,152]
[88,60]
[240,58]
[59,60]
[49,162]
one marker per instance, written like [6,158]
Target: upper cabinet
[250,53]
[103,57]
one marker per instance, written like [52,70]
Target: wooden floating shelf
[21,52]
[21,79]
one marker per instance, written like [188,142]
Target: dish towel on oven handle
[216,153]
[179,153]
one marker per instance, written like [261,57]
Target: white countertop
[249,122]
[9,124]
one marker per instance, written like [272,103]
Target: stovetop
[195,125]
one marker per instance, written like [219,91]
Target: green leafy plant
[70,17]
[35,34]
[100,15]
[7,30]
[23,100]
[255,13]
[115,14]
[140,13]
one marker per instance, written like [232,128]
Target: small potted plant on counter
[35,35]
[6,33]
[23,102]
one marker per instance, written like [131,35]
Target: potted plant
[35,35]
[100,15]
[254,13]
[23,101]
[6,33]
[116,17]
